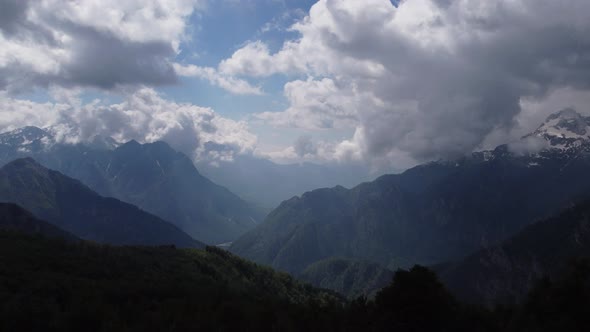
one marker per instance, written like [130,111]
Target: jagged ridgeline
[153,176]
[75,208]
[434,212]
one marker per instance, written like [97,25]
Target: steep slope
[14,218]
[54,286]
[166,183]
[505,273]
[429,214]
[152,176]
[352,278]
[75,208]
[255,179]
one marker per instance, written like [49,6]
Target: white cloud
[133,20]
[15,113]
[228,83]
[90,43]
[254,59]
[428,79]
[316,104]
[144,115]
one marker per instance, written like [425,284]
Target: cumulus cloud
[317,104]
[528,145]
[254,59]
[426,79]
[92,43]
[229,83]
[12,14]
[144,115]
[305,146]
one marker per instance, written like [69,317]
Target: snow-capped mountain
[434,212]
[33,139]
[563,135]
[26,139]
[152,176]
[564,130]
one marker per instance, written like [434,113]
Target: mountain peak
[131,146]
[564,114]
[28,131]
[25,137]
[564,129]
[24,162]
[103,142]
[28,165]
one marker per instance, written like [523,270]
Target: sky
[376,82]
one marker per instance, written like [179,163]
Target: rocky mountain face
[152,176]
[432,213]
[75,208]
[564,130]
[505,273]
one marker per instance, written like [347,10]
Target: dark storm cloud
[304,145]
[12,15]
[58,43]
[445,75]
[103,60]
[471,80]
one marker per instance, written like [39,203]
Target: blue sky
[378,82]
[221,29]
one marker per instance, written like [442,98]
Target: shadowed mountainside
[73,207]
[151,176]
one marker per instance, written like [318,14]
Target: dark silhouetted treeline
[53,285]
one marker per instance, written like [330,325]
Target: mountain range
[151,176]
[56,285]
[436,212]
[255,179]
[475,219]
[75,208]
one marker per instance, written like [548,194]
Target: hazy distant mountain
[73,207]
[268,184]
[350,277]
[507,272]
[152,176]
[14,218]
[434,212]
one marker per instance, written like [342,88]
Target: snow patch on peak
[564,130]
[30,139]
[24,138]
[488,155]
